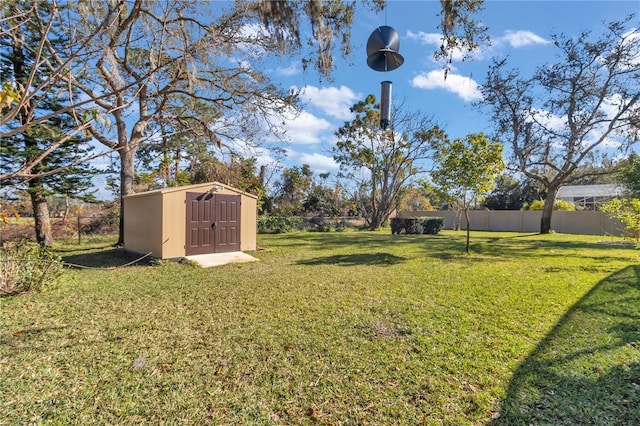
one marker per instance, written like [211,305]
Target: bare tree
[377,163]
[566,113]
[330,25]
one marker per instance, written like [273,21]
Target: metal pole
[385,105]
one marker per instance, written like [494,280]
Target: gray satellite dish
[382,49]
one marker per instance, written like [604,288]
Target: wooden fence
[565,222]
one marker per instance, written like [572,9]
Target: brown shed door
[213,223]
[227,223]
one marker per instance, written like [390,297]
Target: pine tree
[58,171]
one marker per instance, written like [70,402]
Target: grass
[335,328]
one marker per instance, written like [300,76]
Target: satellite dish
[382,49]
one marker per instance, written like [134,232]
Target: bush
[341,226]
[417,225]
[25,266]
[281,224]
[557,205]
[317,224]
[433,225]
[627,211]
[102,225]
[278,224]
[413,226]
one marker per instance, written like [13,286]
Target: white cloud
[462,86]
[333,101]
[520,38]
[549,121]
[305,128]
[291,70]
[611,143]
[425,38]
[514,39]
[246,149]
[558,124]
[633,37]
[612,105]
[319,163]
[436,40]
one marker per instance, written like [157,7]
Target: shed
[205,218]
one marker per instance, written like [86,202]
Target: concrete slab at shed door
[218,259]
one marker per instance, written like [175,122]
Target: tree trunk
[67,207]
[38,200]
[458,219]
[127,176]
[44,236]
[547,211]
[466,216]
[376,221]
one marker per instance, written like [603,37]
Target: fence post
[79,237]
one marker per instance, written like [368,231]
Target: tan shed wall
[174,224]
[156,221]
[143,223]
[248,224]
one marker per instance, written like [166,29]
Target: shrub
[627,211]
[557,205]
[341,225]
[278,224]
[102,225]
[323,227]
[317,224]
[433,225]
[25,266]
[281,224]
[413,226]
[417,225]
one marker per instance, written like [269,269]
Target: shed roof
[197,186]
[604,190]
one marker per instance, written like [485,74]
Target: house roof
[578,191]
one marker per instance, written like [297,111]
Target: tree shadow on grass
[321,240]
[586,371]
[501,247]
[110,258]
[383,259]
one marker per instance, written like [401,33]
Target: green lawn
[335,328]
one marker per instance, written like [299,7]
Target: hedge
[417,225]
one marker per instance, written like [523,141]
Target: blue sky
[519,30]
